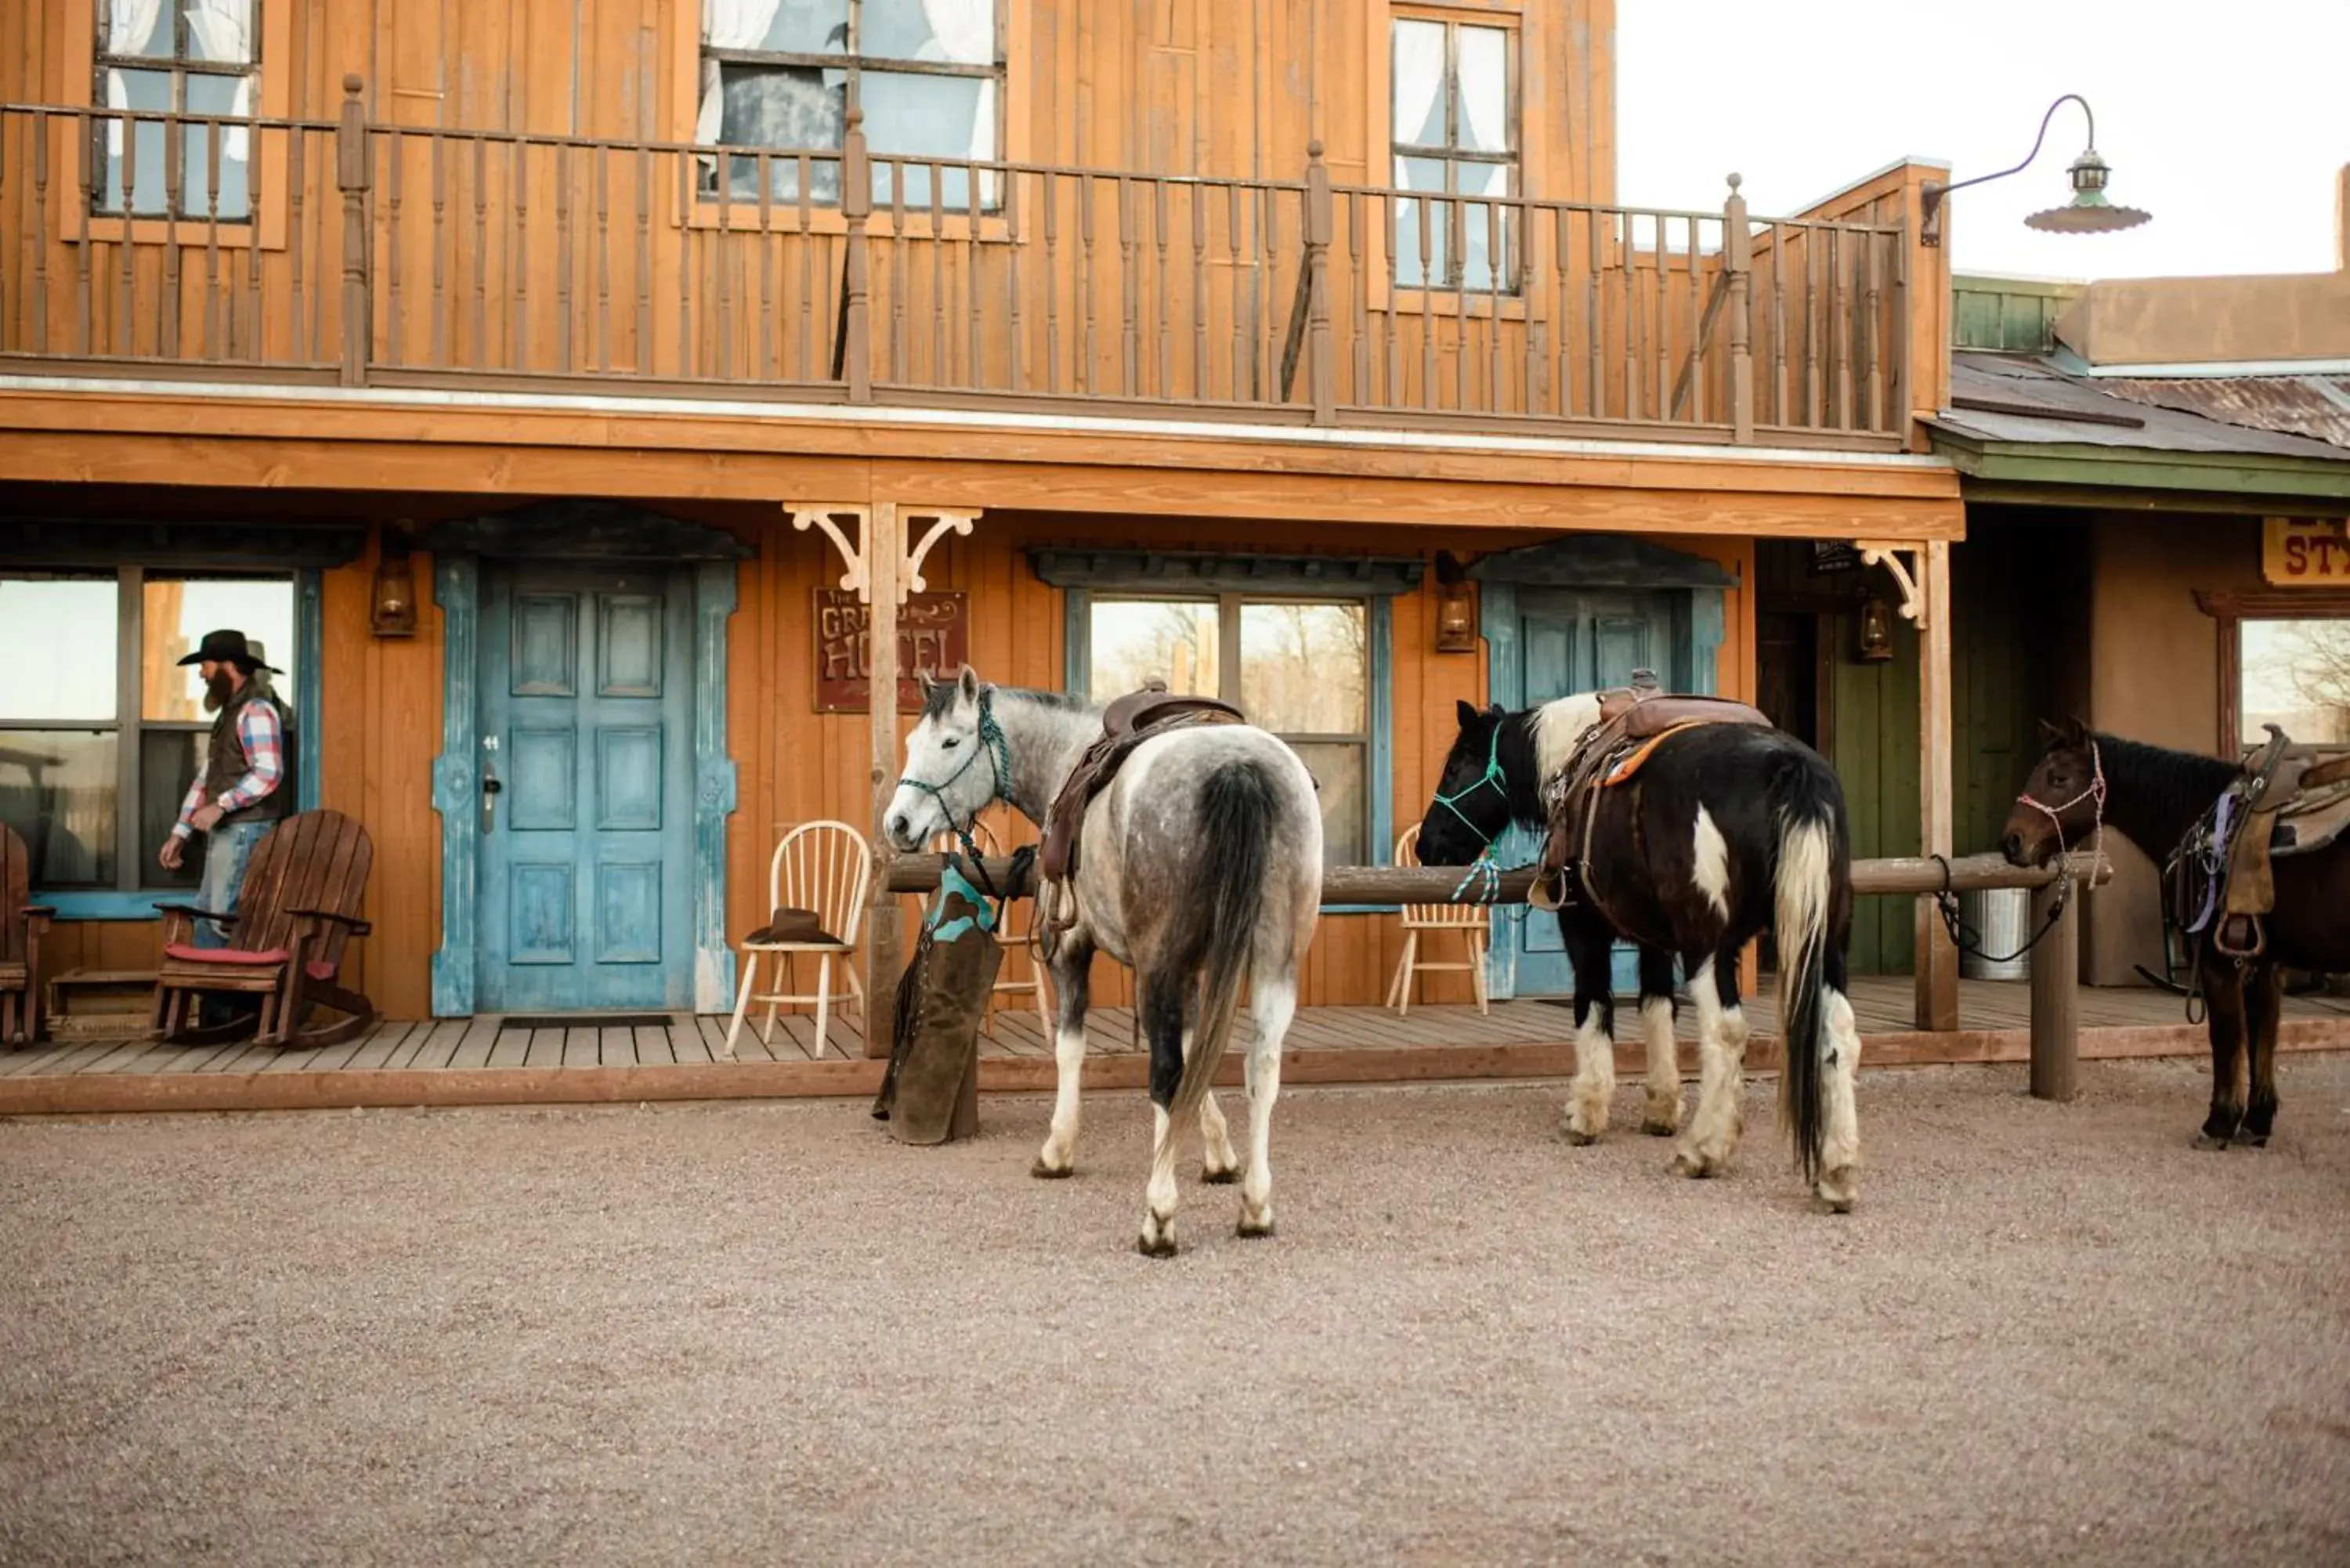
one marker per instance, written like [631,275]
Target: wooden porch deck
[484,1061]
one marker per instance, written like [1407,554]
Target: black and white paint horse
[1724,829]
[1201,866]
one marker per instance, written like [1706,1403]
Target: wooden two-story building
[509,368]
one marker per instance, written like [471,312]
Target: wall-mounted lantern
[1875,631]
[1456,607]
[391,605]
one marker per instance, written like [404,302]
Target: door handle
[490,788]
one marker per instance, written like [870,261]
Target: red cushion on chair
[316,969]
[224,955]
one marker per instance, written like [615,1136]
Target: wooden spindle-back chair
[22,922]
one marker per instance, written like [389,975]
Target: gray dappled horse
[1202,866]
[1725,829]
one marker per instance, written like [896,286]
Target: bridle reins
[998,752]
[1483,872]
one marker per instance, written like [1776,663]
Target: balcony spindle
[351,178]
[855,355]
[1737,255]
[1321,363]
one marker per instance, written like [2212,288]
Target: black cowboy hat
[229,648]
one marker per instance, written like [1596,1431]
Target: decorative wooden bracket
[1888,554]
[857,578]
[942,524]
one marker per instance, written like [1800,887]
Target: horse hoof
[1839,1189]
[1160,1246]
[1661,1127]
[1696,1167]
[1220,1177]
[2253,1140]
[2208,1140]
[1254,1229]
[1044,1172]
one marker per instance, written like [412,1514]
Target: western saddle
[2282,807]
[1634,721]
[1127,723]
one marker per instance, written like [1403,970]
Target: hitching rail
[2055,960]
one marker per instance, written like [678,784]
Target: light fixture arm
[1932,194]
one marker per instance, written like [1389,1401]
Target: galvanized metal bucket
[2001,918]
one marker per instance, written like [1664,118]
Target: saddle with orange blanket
[1633,721]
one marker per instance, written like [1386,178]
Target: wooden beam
[1937,957]
[1346,884]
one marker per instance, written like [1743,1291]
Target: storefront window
[1300,669]
[82,731]
[2295,674]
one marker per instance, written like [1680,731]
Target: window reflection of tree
[2297,674]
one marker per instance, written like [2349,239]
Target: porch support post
[1937,959]
[885,937]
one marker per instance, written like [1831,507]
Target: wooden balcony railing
[292,250]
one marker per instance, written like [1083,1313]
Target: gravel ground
[764,1334]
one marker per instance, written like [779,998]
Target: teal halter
[1482,872]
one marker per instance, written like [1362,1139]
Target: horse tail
[1812,870]
[1216,917]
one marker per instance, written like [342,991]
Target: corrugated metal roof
[2314,406]
[2024,400]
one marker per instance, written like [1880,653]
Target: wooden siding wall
[382,725]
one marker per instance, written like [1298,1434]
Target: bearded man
[238,793]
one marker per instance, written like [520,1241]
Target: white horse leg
[1274,1005]
[1712,1137]
[1072,977]
[1840,1144]
[1218,1163]
[1593,1086]
[1661,1117]
[1158,1198]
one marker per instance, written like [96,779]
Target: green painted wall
[2014,597]
[2009,316]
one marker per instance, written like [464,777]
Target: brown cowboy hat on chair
[229,648]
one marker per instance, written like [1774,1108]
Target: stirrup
[2260,940]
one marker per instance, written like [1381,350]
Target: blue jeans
[228,850]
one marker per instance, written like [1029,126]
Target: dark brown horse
[2154,797]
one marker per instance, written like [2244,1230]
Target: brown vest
[225,762]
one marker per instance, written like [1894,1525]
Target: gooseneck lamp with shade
[2088,213]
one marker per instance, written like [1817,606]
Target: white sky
[2227,122]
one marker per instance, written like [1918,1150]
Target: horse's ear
[1495,711]
[2050,734]
[924,683]
[2076,731]
[1467,712]
[969,682]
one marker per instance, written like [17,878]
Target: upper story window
[782,73]
[182,56]
[1455,119]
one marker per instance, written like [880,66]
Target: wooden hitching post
[2056,995]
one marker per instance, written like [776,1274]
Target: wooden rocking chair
[21,925]
[300,906]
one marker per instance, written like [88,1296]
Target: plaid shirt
[264,739]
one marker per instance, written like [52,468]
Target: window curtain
[965,30]
[224,28]
[1418,77]
[129,25]
[726,25]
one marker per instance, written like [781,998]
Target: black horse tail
[1216,917]
[1811,881]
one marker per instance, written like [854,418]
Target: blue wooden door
[586,847]
[1577,641]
